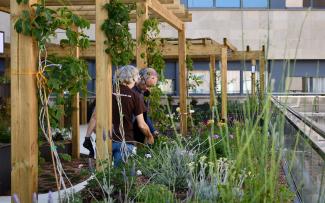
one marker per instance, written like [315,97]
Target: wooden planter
[5,169]
[4,90]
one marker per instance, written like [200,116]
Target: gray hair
[146,73]
[126,74]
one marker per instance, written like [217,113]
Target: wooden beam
[75,117]
[83,104]
[103,90]
[182,79]
[243,55]
[253,84]
[229,45]
[165,14]
[212,79]
[262,69]
[224,95]
[24,111]
[142,16]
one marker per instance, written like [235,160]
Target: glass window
[319,85]
[199,82]
[298,3]
[233,82]
[247,81]
[276,4]
[318,4]
[228,3]
[200,3]
[167,87]
[255,3]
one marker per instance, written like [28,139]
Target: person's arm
[91,125]
[150,125]
[144,128]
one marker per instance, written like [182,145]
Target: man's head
[127,75]
[148,78]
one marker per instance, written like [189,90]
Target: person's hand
[150,139]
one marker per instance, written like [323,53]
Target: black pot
[62,147]
[5,169]
[5,90]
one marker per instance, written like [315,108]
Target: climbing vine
[55,75]
[116,28]
[150,38]
[68,73]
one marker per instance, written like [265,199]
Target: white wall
[5,25]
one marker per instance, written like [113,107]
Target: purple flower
[215,136]
[15,198]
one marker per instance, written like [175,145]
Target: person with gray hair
[131,107]
[148,79]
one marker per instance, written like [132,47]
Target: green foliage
[116,28]
[22,1]
[153,193]
[43,23]
[65,157]
[149,38]
[4,80]
[70,74]
[4,122]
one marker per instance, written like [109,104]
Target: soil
[77,171]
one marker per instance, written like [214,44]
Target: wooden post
[24,110]
[212,79]
[75,117]
[103,90]
[224,95]
[83,104]
[253,78]
[142,15]
[262,69]
[182,79]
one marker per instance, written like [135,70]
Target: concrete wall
[284,31]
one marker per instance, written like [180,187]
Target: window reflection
[255,3]
[228,3]
[199,3]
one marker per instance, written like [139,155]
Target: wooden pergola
[24,117]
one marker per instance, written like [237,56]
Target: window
[319,85]
[204,82]
[200,3]
[255,3]
[228,3]
[247,81]
[318,4]
[167,87]
[2,42]
[277,4]
[233,82]
[298,3]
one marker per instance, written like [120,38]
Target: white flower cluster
[64,133]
